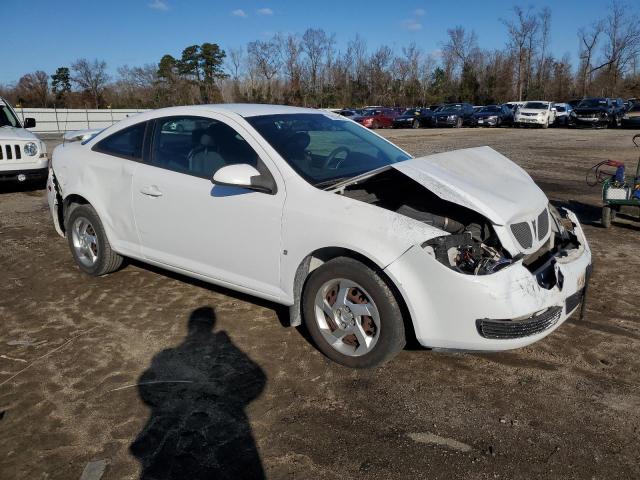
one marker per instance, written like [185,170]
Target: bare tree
[622,33]
[265,57]
[521,33]
[588,42]
[33,88]
[236,59]
[91,77]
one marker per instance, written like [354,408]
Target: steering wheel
[331,157]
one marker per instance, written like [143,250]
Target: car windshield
[325,150]
[490,109]
[451,108]
[7,118]
[536,105]
[560,108]
[635,107]
[368,113]
[593,102]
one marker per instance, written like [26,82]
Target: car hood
[13,133]
[446,114]
[480,179]
[406,117]
[486,114]
[586,110]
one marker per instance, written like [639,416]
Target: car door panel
[227,234]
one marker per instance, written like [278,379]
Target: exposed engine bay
[472,247]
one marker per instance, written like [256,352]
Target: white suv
[23,156]
[540,113]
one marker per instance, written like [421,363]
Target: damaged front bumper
[504,310]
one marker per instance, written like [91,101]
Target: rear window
[125,143]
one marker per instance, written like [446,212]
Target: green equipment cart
[618,189]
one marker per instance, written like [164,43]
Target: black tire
[415,124]
[375,125]
[391,333]
[606,217]
[459,122]
[107,260]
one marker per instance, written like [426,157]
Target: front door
[228,234]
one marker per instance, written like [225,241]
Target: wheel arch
[322,255]
[67,206]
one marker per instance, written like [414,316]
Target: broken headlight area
[465,254]
[543,263]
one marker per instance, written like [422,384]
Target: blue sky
[44,34]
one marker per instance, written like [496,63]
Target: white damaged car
[366,245]
[23,156]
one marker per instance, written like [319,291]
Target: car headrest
[207,140]
[299,141]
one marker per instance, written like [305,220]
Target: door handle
[151,190]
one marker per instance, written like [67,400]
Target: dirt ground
[147,374]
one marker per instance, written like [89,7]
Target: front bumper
[448,308]
[404,122]
[23,175]
[591,121]
[531,120]
[445,122]
[486,122]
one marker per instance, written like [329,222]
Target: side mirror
[29,122]
[240,175]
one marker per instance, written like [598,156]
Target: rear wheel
[88,242]
[352,315]
[606,217]
[415,124]
[375,124]
[459,122]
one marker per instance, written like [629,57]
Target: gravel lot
[126,372]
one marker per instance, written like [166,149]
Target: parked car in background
[574,103]
[539,113]
[599,112]
[563,113]
[453,115]
[413,118]
[477,108]
[376,117]
[514,106]
[365,245]
[23,156]
[631,118]
[493,116]
[347,112]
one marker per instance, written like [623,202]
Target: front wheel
[415,124]
[352,315]
[88,242]
[459,123]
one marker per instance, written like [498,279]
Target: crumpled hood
[480,179]
[13,133]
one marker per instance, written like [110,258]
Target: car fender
[330,220]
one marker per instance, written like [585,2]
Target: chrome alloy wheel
[347,317]
[85,241]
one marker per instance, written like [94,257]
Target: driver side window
[198,146]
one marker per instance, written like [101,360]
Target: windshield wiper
[328,183]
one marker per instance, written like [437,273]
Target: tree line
[308,69]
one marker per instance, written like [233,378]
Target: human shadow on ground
[197,393]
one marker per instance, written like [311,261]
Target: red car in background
[376,117]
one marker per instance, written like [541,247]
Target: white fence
[61,120]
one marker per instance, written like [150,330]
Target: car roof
[255,109]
